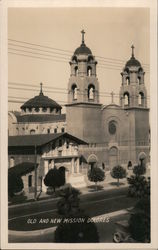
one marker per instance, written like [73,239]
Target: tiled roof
[41,118]
[38,139]
[41,101]
[23,168]
[83,49]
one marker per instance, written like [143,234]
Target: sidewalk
[108,184]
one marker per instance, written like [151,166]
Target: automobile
[122,233]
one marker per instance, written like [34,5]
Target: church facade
[115,134]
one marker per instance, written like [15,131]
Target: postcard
[79,143]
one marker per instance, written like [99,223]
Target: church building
[113,134]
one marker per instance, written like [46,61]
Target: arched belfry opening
[89,71]
[126,99]
[76,70]
[74,91]
[141,99]
[91,92]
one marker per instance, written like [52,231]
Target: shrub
[77,232]
[139,169]
[15,184]
[96,175]
[118,172]
[69,202]
[139,227]
[54,178]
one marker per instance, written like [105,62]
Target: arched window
[48,130]
[126,99]
[141,99]
[55,130]
[89,71]
[127,81]
[37,109]
[62,130]
[32,131]
[76,71]
[44,109]
[139,80]
[12,162]
[91,91]
[74,91]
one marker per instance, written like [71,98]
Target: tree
[139,222]
[77,228]
[139,186]
[139,169]
[96,175]
[118,172]
[54,178]
[15,183]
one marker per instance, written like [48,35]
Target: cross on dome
[132,47]
[83,32]
[41,91]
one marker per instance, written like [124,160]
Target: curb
[56,199]
[52,229]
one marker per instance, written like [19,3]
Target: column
[78,165]
[72,166]
[46,168]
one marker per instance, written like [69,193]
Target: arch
[112,127]
[92,160]
[90,58]
[113,156]
[89,71]
[141,99]
[128,80]
[76,70]
[91,91]
[44,109]
[126,70]
[12,162]
[32,131]
[74,91]
[139,80]
[126,99]
[74,58]
[142,158]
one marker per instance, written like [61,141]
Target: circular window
[112,128]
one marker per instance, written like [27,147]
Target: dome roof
[133,62]
[83,49]
[41,101]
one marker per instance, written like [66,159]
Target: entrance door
[113,157]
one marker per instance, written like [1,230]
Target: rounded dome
[41,101]
[83,49]
[133,62]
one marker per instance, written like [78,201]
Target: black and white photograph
[80,150]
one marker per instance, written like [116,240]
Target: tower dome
[83,49]
[132,62]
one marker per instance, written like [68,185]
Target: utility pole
[35,193]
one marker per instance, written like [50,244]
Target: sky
[110,32]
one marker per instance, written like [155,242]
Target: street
[43,214]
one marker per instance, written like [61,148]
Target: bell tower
[133,91]
[83,111]
[83,84]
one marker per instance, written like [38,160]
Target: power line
[103,94]
[54,60]
[51,48]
